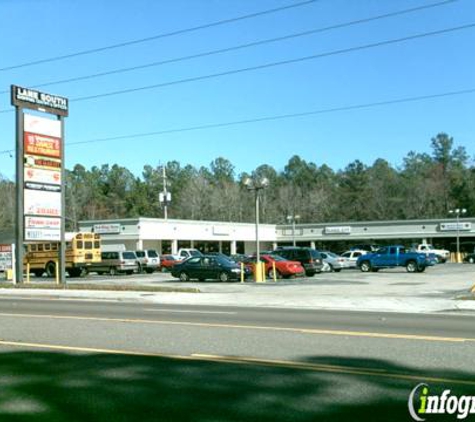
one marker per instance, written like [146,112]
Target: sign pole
[62,244]
[19,215]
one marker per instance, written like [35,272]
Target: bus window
[40,247]
[32,248]
[54,246]
[79,244]
[97,244]
[87,245]
[47,246]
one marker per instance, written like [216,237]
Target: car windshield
[195,253]
[140,254]
[129,255]
[315,254]
[224,261]
[331,254]
[278,258]
[153,254]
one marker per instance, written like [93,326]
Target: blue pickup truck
[394,256]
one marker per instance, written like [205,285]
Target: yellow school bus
[82,249]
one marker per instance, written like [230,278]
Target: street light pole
[457,213]
[256,185]
[293,218]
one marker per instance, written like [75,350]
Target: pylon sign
[39,169]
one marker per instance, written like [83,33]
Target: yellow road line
[237,360]
[248,327]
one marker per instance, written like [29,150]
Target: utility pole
[165,197]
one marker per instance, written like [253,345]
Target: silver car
[353,256]
[148,260]
[116,262]
[335,262]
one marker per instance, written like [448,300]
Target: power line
[274,64]
[242,46]
[275,117]
[269,65]
[156,37]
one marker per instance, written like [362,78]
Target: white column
[220,247]
[174,246]
[274,245]
[312,245]
[233,247]
[139,245]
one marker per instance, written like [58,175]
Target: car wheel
[337,270]
[51,269]
[365,266]
[421,269]
[149,270]
[224,277]
[270,273]
[184,276]
[113,271]
[471,260]
[411,267]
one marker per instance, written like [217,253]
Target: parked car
[184,253]
[167,262]
[207,267]
[368,247]
[283,267]
[394,256]
[352,257]
[148,260]
[470,258]
[116,262]
[442,255]
[335,262]
[310,258]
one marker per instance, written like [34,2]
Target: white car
[353,256]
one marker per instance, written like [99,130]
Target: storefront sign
[42,203]
[52,177]
[106,228]
[43,223]
[338,230]
[43,234]
[461,226]
[41,101]
[42,145]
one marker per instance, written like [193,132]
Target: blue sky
[33,30]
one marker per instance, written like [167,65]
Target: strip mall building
[167,236]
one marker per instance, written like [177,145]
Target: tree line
[425,185]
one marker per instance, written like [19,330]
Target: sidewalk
[260,296]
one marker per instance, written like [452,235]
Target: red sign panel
[42,145]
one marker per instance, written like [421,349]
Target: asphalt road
[85,360]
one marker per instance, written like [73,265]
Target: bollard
[242,272]
[28,273]
[258,272]
[274,275]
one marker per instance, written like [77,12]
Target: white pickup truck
[442,255]
[185,253]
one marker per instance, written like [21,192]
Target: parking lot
[438,289]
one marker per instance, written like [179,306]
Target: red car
[167,262]
[283,267]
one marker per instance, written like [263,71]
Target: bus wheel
[113,271]
[51,269]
